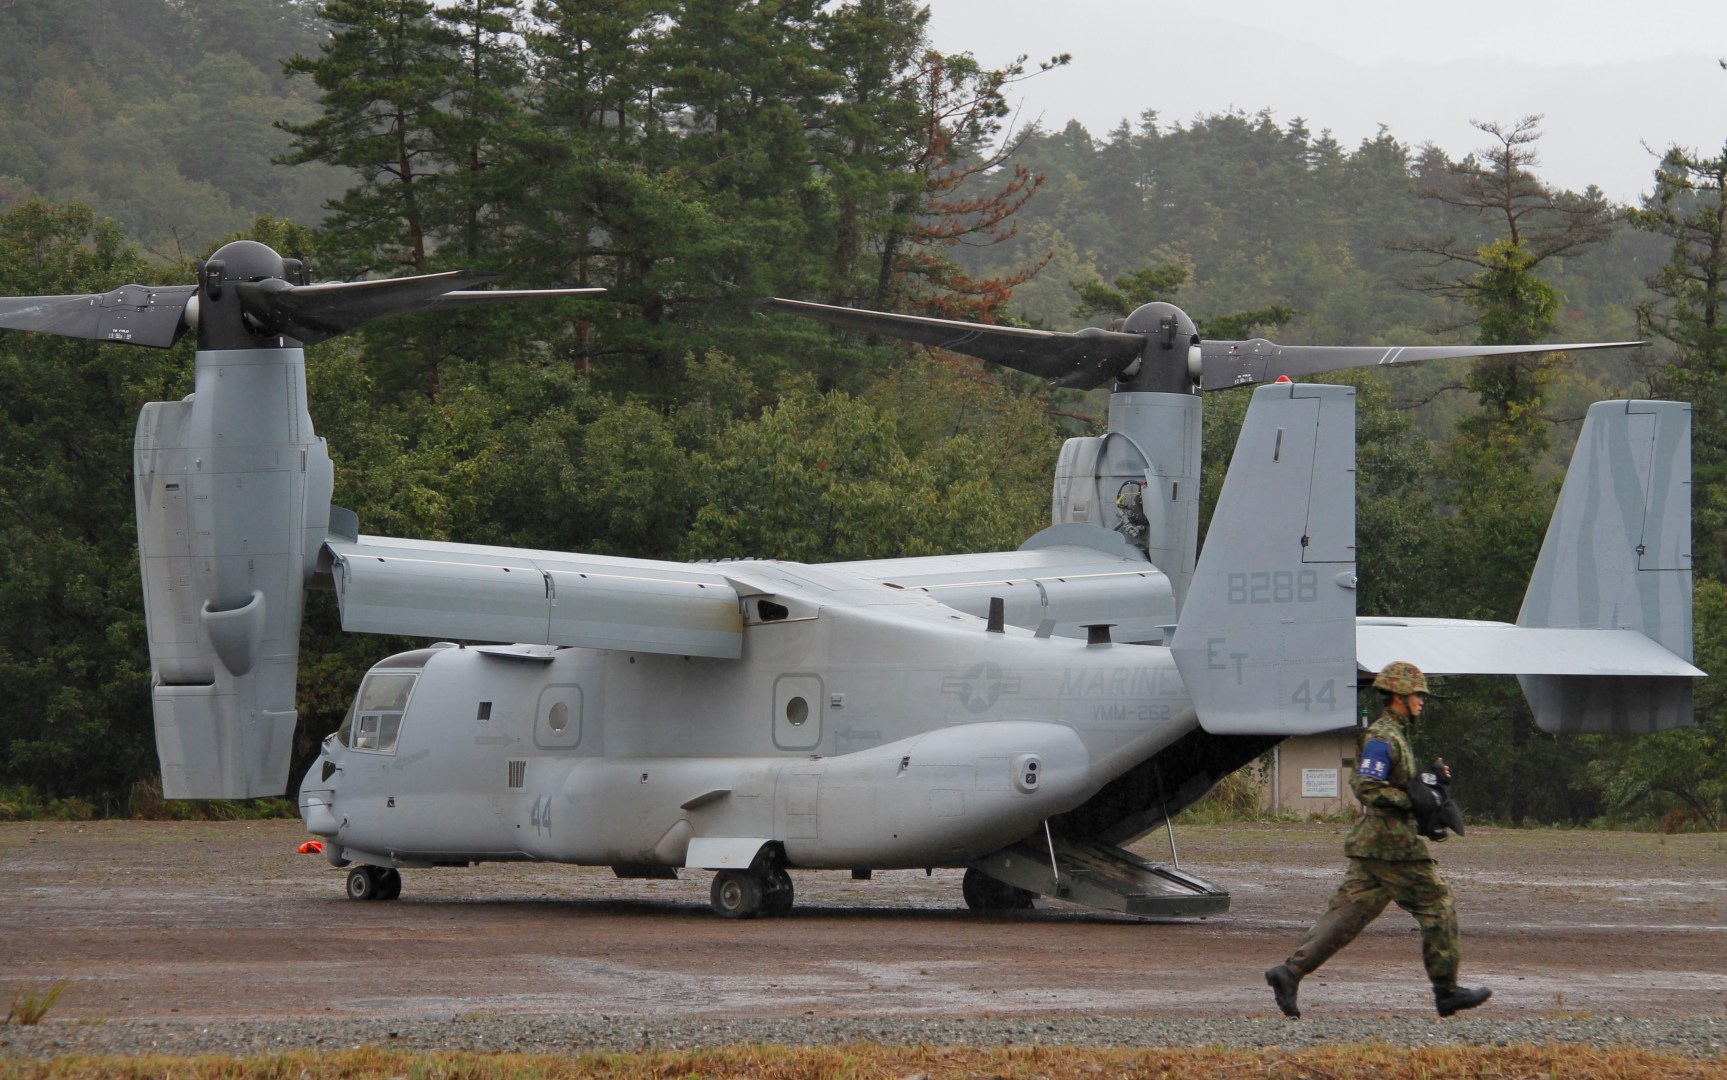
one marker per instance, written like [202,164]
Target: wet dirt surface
[189,920]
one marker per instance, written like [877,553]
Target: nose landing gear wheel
[363,883]
[374,882]
[737,894]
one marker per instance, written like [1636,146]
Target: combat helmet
[1401,677]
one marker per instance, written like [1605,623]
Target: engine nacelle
[232,490]
[1141,480]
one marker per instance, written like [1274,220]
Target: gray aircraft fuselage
[864,727]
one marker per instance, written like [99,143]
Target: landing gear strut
[374,882]
[744,894]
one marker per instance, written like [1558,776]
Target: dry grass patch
[1357,1062]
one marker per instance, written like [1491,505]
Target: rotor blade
[313,313]
[1242,363]
[466,297]
[1082,360]
[135,314]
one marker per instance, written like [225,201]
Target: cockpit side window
[375,721]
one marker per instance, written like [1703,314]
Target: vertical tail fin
[1266,641]
[1618,556]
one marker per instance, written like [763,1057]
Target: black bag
[1434,811]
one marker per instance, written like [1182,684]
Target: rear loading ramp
[1148,795]
[1100,876]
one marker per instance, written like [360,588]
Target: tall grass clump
[29,1007]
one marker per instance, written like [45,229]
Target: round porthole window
[797,711]
[559,718]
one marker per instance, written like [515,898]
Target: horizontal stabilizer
[1465,647]
[1266,639]
[473,593]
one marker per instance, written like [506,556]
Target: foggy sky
[1613,79]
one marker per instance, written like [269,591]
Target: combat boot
[1284,983]
[1458,999]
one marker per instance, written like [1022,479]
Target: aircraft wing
[1059,581]
[469,592]
[1465,647]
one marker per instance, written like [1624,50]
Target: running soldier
[1388,861]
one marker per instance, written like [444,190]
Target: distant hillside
[158,113]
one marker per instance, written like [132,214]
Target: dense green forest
[695,155]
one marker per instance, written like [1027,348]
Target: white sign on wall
[1319,783]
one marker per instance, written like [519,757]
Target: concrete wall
[1310,775]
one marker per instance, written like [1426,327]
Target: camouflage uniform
[1387,861]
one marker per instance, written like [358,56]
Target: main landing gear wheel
[984,893]
[778,900]
[374,882]
[737,894]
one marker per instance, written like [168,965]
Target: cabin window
[797,715]
[558,717]
[375,722]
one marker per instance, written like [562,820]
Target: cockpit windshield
[375,721]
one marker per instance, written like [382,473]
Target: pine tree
[384,77]
[1513,305]
[1688,206]
[476,127]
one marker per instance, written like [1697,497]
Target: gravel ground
[203,938]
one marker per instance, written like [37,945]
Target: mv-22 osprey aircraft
[1022,714]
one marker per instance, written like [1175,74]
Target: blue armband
[1375,760]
